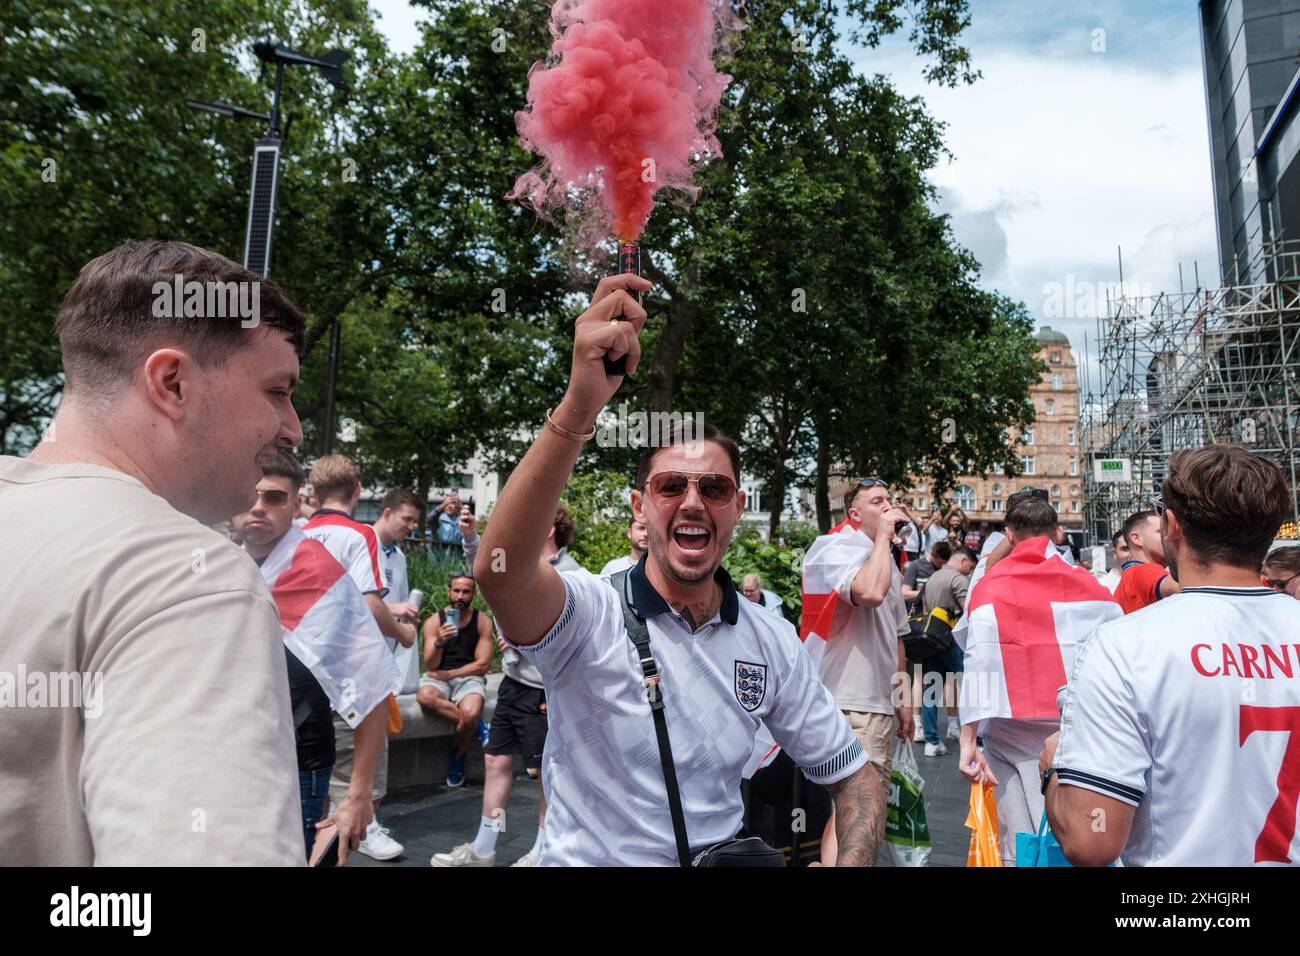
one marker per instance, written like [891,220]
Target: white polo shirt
[1187,710]
[606,800]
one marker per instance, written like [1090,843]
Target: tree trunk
[822,493]
[776,497]
[672,344]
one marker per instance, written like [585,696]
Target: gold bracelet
[565,433]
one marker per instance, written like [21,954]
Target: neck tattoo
[697,612]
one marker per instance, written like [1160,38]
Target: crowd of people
[649,697]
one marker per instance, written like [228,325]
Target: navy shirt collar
[647,602]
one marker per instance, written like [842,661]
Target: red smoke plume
[627,106]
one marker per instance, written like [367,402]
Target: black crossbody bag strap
[639,634]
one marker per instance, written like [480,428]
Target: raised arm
[873,580]
[525,593]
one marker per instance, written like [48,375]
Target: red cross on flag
[833,557]
[1027,619]
[327,625]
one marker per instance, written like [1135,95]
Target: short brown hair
[680,432]
[1033,516]
[285,465]
[1229,501]
[563,527]
[397,497]
[1135,521]
[941,550]
[334,477]
[1286,559]
[107,324]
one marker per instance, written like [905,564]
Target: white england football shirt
[615,565]
[353,544]
[1189,710]
[606,802]
[392,565]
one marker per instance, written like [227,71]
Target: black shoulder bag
[747,852]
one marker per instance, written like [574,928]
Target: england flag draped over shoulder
[826,569]
[328,627]
[1027,618]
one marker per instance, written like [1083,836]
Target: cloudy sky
[1086,133]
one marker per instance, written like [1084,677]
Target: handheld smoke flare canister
[629,260]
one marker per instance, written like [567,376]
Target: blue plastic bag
[1039,849]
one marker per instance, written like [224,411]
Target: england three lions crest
[751,684]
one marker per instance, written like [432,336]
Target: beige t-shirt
[859,664]
[164,736]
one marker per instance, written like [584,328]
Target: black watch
[1046,777]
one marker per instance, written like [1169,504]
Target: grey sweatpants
[1011,748]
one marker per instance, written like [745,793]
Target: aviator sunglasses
[715,489]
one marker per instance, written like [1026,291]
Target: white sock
[485,842]
[537,844]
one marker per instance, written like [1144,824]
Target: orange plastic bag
[982,819]
[394,716]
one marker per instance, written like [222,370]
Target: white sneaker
[528,859]
[935,750]
[463,855]
[378,845]
[919,733]
[954,730]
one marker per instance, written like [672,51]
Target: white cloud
[1069,158]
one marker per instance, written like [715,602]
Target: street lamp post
[266,175]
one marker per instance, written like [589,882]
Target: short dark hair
[1229,501]
[964,552]
[396,497]
[1033,516]
[1135,521]
[941,550]
[285,465]
[680,432]
[1114,538]
[107,324]
[462,574]
[563,527]
[1017,498]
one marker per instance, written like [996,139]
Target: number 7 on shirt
[1274,842]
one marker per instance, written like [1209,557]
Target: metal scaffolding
[1187,369]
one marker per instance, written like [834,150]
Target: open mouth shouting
[692,537]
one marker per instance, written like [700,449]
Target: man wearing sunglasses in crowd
[724,665]
[1281,570]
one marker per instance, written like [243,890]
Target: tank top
[459,650]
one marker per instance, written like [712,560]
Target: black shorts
[518,724]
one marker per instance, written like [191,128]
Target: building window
[1056,358]
[1069,435]
[1056,506]
[1027,436]
[1027,465]
[1074,506]
[964,498]
[1074,490]
[997,469]
[995,504]
[1074,466]
[1051,406]
[997,488]
[920,504]
[1056,491]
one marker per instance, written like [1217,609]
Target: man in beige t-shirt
[144,704]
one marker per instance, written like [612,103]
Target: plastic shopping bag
[1039,849]
[907,837]
[982,819]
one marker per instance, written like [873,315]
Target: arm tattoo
[860,806]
